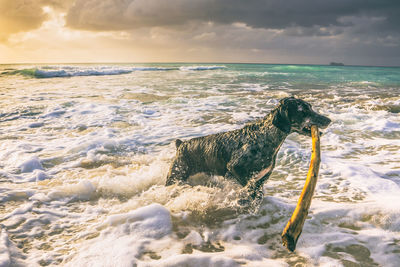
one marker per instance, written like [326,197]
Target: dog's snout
[323,121]
[320,120]
[327,121]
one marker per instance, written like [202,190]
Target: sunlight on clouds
[46,9]
[52,30]
[241,25]
[54,42]
[206,36]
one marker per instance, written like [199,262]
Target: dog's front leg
[255,184]
[253,191]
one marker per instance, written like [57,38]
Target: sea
[85,150]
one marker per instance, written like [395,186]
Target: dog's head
[296,115]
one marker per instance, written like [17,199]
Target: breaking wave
[194,68]
[73,71]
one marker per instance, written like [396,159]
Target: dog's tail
[178,142]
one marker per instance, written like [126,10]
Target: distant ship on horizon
[336,64]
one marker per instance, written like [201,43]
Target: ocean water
[85,149]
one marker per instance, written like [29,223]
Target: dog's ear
[281,119]
[178,142]
[284,101]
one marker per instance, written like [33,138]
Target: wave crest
[194,68]
[73,71]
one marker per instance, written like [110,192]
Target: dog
[246,155]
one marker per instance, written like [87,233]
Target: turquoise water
[85,149]
[297,74]
[320,75]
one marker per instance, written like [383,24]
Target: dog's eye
[305,111]
[303,108]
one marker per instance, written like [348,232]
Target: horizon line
[193,62]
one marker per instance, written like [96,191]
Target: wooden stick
[293,229]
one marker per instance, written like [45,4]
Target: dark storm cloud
[269,14]
[319,31]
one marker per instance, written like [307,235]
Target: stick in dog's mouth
[293,229]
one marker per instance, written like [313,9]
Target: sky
[355,32]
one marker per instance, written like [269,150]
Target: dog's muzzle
[315,119]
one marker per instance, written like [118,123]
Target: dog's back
[215,153]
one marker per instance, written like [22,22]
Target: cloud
[355,31]
[268,14]
[24,15]
[19,15]
[324,29]
[290,31]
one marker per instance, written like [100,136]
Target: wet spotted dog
[246,155]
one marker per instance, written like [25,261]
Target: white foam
[194,68]
[31,165]
[70,72]
[5,259]
[195,260]
[124,237]
[154,221]
[21,210]
[39,175]
[153,68]
[83,190]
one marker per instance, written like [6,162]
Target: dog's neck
[272,132]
